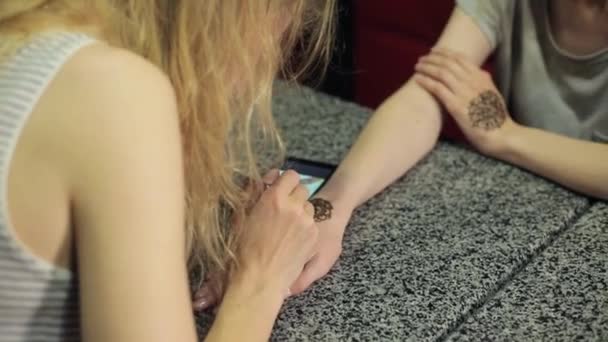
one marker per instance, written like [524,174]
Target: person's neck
[580,26]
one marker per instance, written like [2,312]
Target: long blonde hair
[222,57]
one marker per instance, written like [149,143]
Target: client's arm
[401,132]
[472,99]
[403,129]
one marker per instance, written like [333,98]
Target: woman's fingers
[204,298]
[440,91]
[445,64]
[450,77]
[300,194]
[286,183]
[309,209]
[309,274]
[271,177]
[439,73]
[457,59]
[268,179]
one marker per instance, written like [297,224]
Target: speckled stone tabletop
[562,295]
[461,248]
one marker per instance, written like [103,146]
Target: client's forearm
[576,164]
[401,132]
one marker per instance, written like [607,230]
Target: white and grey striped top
[38,301]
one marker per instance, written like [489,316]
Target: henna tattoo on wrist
[323,209]
[487,111]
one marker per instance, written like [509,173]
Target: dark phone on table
[313,174]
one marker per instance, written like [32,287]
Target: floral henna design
[323,209]
[487,111]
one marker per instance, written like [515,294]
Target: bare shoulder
[120,144]
[106,105]
[105,76]
[107,117]
[105,91]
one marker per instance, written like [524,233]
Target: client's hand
[469,95]
[331,232]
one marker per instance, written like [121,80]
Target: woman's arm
[118,135]
[253,325]
[472,99]
[576,164]
[403,129]
[400,133]
[118,144]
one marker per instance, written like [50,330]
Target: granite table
[462,248]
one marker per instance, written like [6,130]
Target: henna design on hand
[487,111]
[323,209]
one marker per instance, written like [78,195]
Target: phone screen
[313,174]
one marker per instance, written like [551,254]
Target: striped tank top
[38,301]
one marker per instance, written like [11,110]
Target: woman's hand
[210,293]
[276,240]
[329,247]
[279,236]
[469,95]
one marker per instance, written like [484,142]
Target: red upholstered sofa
[389,37]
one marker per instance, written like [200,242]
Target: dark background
[339,79]
[377,44]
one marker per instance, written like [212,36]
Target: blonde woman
[125,145]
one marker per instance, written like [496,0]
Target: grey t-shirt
[544,86]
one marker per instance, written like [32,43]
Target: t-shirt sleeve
[489,15]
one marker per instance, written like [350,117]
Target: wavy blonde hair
[222,57]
